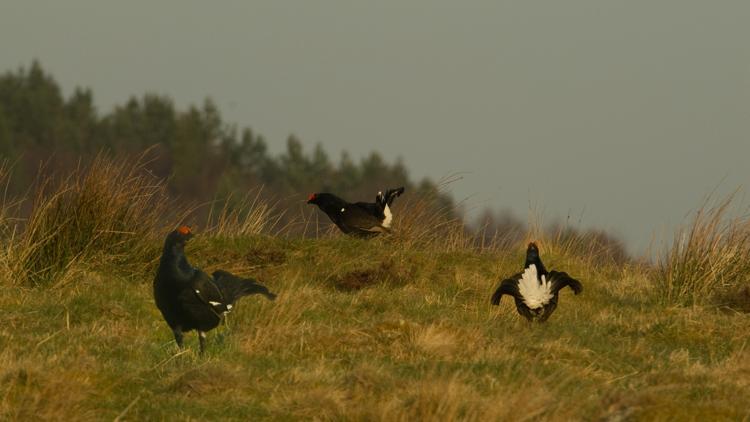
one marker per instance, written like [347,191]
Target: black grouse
[361,219]
[535,290]
[190,299]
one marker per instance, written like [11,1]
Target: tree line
[201,155]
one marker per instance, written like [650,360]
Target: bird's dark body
[510,287]
[359,219]
[556,279]
[353,219]
[188,298]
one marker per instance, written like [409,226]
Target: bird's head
[180,235]
[323,199]
[532,257]
[174,244]
[327,202]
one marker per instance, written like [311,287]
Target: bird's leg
[178,336]
[202,340]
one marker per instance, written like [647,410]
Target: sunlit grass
[709,259]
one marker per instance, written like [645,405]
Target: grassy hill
[397,328]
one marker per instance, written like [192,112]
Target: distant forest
[201,156]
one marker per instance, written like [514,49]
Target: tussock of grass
[111,213]
[247,216]
[709,259]
[426,223]
[104,214]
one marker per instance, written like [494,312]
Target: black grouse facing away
[190,299]
[535,290]
[361,219]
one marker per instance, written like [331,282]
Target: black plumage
[188,298]
[535,290]
[360,219]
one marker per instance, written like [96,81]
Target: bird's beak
[311,198]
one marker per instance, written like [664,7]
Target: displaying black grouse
[362,219]
[190,299]
[535,290]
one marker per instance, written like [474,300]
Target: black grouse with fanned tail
[188,298]
[361,219]
[535,290]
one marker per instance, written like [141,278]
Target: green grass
[422,344]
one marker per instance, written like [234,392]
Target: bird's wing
[371,208]
[509,286]
[234,287]
[208,292]
[561,279]
[355,217]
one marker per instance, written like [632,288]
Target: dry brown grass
[106,213]
[109,213]
[436,397]
[243,217]
[709,258]
[29,392]
[425,222]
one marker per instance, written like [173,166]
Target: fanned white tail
[534,293]
[388,217]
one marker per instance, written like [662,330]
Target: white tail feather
[388,217]
[534,293]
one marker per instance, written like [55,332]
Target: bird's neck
[535,260]
[175,260]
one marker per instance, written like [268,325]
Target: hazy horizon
[623,115]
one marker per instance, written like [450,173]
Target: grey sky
[628,112]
